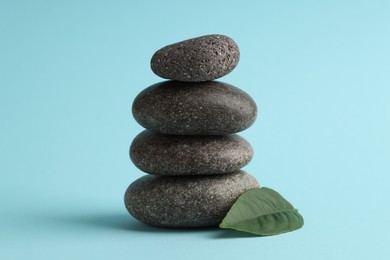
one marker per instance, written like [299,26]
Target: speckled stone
[186,201]
[162,154]
[199,59]
[207,108]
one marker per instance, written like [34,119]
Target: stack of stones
[190,150]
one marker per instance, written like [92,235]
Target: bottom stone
[186,201]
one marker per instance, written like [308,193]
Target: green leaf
[262,211]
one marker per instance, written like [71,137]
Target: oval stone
[199,59]
[206,108]
[162,154]
[186,201]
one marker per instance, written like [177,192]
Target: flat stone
[170,155]
[199,59]
[206,108]
[186,201]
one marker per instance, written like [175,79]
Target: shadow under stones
[122,222]
[125,222]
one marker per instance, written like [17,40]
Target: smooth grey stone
[206,108]
[186,201]
[162,154]
[199,59]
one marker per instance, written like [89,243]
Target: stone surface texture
[169,155]
[206,108]
[199,59]
[186,201]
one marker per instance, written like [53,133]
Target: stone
[199,59]
[171,155]
[205,108]
[186,201]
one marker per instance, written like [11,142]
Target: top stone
[198,59]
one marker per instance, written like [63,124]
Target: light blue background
[69,71]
